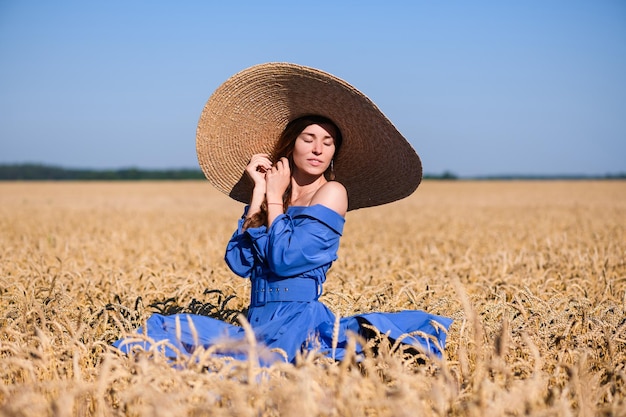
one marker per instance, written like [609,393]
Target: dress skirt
[283,329]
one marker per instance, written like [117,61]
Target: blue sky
[478,87]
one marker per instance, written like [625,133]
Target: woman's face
[314,149]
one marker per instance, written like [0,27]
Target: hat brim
[248,112]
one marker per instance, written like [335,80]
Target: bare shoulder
[332,195]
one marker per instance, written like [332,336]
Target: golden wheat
[534,274]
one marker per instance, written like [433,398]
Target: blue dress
[287,266]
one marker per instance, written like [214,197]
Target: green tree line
[31,172]
[41,172]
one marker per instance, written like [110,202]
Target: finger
[261,163]
[264,167]
[285,164]
[282,163]
[260,156]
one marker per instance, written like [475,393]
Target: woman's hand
[257,167]
[277,180]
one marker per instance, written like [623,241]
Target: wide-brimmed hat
[248,112]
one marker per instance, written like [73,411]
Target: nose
[317,148]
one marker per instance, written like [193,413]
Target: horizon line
[446,174]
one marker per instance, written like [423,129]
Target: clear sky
[478,87]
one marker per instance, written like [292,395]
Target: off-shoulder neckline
[313,206]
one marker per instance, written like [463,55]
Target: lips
[315,162]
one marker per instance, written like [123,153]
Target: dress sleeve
[303,241]
[246,247]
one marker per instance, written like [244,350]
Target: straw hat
[247,114]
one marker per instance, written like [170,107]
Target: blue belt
[288,289]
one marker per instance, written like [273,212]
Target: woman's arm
[245,247]
[257,167]
[277,180]
[305,240]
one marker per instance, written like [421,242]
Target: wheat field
[533,273]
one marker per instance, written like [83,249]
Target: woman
[297,190]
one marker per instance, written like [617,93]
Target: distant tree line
[41,172]
[447,175]
[565,177]
[32,172]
